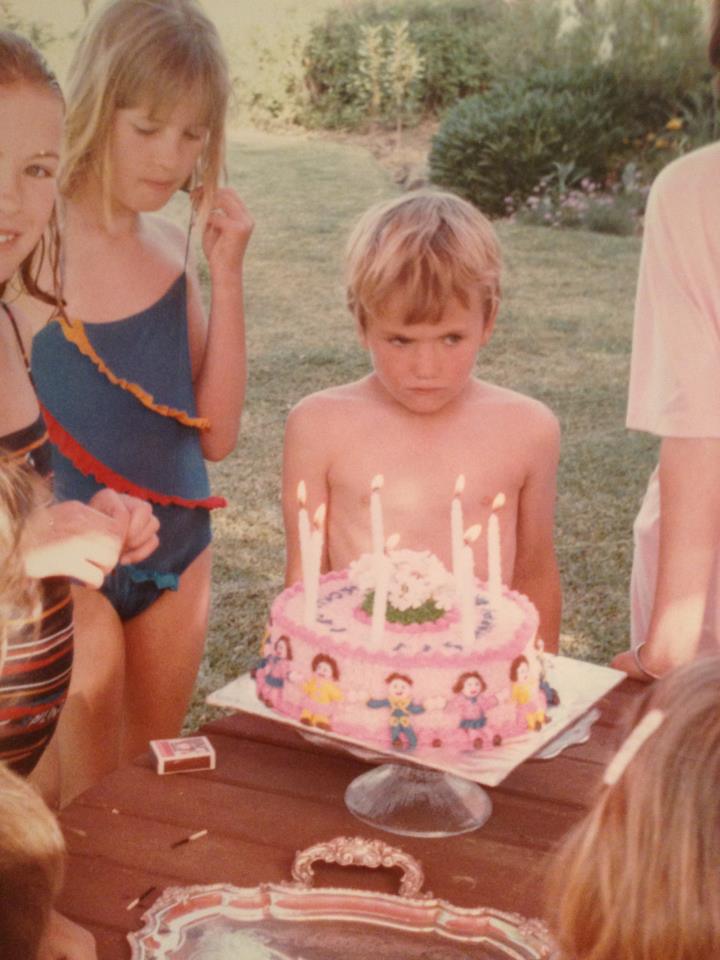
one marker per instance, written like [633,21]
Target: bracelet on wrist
[639,664]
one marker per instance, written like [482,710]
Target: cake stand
[417,801]
[434,792]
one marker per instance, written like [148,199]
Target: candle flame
[301,493]
[472,533]
[392,541]
[319,517]
[499,501]
[377,481]
[459,484]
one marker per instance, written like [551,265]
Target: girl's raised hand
[226,235]
[135,516]
[71,539]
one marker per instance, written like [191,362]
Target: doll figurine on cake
[419,449]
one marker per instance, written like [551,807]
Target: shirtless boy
[423,276]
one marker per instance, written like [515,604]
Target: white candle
[315,562]
[376,518]
[304,533]
[467,586]
[382,580]
[456,529]
[494,557]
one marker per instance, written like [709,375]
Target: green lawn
[563,336]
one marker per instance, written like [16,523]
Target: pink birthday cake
[425,678]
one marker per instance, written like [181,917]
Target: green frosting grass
[427,613]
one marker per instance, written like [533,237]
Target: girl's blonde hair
[638,878]
[32,854]
[148,53]
[21,492]
[429,245]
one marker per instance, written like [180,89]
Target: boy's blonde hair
[32,853]
[143,53]
[431,246]
[638,878]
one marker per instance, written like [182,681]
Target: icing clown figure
[544,660]
[321,692]
[274,670]
[402,707]
[471,702]
[531,710]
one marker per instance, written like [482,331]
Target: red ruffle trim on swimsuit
[86,463]
[74,332]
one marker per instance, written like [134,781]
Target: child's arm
[218,346]
[689,535]
[305,458]
[536,571]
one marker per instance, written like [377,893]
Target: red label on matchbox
[183,754]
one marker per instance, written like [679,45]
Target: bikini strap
[14,325]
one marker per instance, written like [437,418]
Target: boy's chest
[420,470]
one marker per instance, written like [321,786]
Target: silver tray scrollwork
[298,921]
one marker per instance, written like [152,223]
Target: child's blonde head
[428,245]
[32,854]
[143,53]
[20,494]
[638,878]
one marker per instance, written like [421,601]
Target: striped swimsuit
[36,673]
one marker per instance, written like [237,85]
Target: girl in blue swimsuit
[138,389]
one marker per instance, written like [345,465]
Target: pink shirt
[675,370]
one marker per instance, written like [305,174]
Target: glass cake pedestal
[417,801]
[435,792]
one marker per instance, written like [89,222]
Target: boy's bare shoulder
[336,402]
[514,408]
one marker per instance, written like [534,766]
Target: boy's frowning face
[425,366]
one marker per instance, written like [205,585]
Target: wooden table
[274,793]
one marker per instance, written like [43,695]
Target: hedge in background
[450,36]
[502,143]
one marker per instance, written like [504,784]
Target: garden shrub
[502,143]
[450,38]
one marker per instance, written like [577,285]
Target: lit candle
[315,562]
[456,528]
[304,532]
[467,585]
[494,559]
[382,580]
[376,517]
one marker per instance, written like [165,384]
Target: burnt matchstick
[193,836]
[138,900]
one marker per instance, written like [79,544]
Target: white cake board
[579,684]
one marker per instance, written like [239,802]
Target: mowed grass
[563,336]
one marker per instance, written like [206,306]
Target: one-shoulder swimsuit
[119,405]
[36,673]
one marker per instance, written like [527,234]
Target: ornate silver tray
[295,921]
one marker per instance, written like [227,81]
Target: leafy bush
[504,142]
[449,36]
